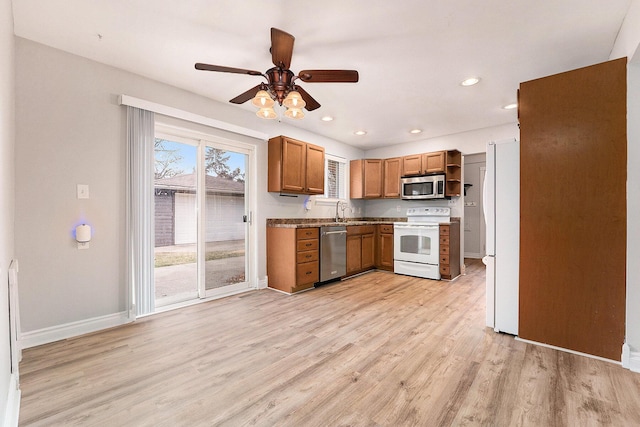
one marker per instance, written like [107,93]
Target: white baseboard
[12,409]
[630,359]
[73,329]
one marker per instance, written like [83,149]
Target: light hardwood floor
[376,350]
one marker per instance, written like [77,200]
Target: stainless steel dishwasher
[333,252]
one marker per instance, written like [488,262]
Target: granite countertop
[327,222]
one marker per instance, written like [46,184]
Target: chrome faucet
[343,206]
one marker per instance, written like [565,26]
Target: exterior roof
[187,183]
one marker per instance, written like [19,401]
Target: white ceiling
[411,54]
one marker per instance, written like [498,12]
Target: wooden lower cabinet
[384,247]
[360,248]
[450,250]
[293,262]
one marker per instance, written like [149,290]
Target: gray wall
[7,138]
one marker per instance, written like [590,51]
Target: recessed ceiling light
[326,118]
[360,132]
[510,106]
[470,81]
[415,131]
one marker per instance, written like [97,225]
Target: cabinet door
[367,259]
[386,251]
[433,162]
[412,165]
[391,181]
[315,169]
[372,178]
[294,158]
[354,249]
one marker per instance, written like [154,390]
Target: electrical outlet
[452,202]
[398,208]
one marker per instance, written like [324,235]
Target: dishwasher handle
[326,233]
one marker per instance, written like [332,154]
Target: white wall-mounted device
[83,236]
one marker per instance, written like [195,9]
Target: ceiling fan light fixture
[263,99]
[294,113]
[294,100]
[266,113]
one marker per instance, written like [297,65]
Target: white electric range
[416,243]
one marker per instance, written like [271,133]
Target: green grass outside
[166,259]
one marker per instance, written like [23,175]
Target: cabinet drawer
[307,256]
[444,230]
[444,250]
[307,233]
[386,229]
[444,260]
[360,229]
[307,245]
[444,270]
[444,240]
[307,273]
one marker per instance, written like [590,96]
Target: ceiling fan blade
[312,104]
[244,97]
[209,67]
[329,76]
[281,48]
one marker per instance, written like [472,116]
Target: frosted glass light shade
[262,99]
[294,113]
[294,100]
[266,113]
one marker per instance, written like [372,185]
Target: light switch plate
[83,191]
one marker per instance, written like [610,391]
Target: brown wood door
[412,165]
[294,158]
[391,181]
[315,169]
[372,178]
[386,251]
[354,253]
[433,162]
[367,260]
[573,209]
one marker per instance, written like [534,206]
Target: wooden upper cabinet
[365,179]
[315,169]
[420,164]
[295,166]
[391,179]
[412,165]
[433,162]
[294,159]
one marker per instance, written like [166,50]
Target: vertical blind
[140,167]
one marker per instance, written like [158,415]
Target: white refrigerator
[502,215]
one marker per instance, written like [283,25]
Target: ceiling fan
[280,84]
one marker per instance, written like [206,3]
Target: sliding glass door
[201,220]
[225,220]
[175,220]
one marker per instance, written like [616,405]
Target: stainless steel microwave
[422,187]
